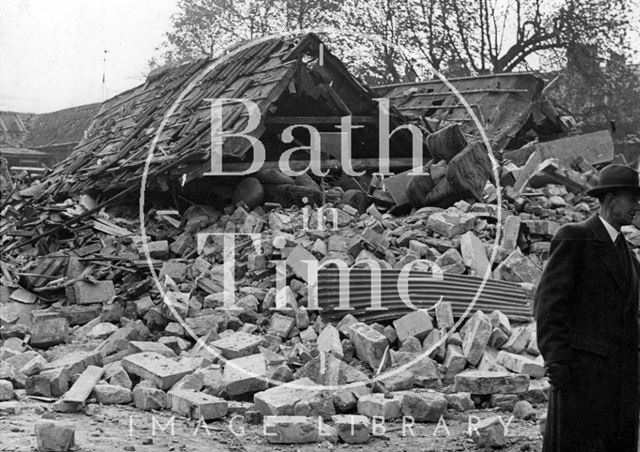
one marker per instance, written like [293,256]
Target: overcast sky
[51,51]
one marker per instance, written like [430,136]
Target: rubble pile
[83,320]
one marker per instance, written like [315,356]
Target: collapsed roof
[510,106]
[283,77]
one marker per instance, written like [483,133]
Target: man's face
[624,206]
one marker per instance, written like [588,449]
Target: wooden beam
[288,120]
[331,164]
[471,91]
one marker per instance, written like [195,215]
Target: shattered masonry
[82,321]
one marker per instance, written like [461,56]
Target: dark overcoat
[586,309]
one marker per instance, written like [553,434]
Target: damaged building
[104,305]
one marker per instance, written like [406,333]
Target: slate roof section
[14,128]
[60,128]
[505,104]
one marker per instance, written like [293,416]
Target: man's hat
[616,177]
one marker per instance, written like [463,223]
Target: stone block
[48,328]
[308,335]
[488,433]
[476,338]
[82,388]
[504,402]
[299,261]
[112,394]
[76,362]
[8,372]
[151,347]
[532,346]
[451,262]
[111,312]
[329,341]
[413,324]
[143,305]
[370,345]
[411,345]
[330,371]
[158,249]
[523,410]
[281,325]
[319,404]
[498,338]
[450,223]
[459,401]
[175,270]
[102,330]
[444,315]
[155,367]
[430,342]
[245,375]
[83,292]
[292,429]
[510,231]
[518,340]
[423,406]
[544,228]
[237,344]
[518,268]
[197,405]
[203,324]
[193,382]
[302,318]
[418,248]
[175,343]
[10,408]
[353,429]
[455,339]
[6,390]
[119,340]
[345,324]
[281,400]
[19,360]
[538,391]
[379,405]
[54,436]
[454,361]
[48,383]
[485,382]
[397,380]
[489,361]
[520,364]
[499,320]
[390,334]
[146,396]
[474,254]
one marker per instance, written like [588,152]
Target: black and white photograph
[318,225]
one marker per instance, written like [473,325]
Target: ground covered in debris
[108,428]
[422,311]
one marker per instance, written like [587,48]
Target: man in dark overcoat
[586,309]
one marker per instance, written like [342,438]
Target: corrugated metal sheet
[424,291]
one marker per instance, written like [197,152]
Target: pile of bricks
[110,335]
